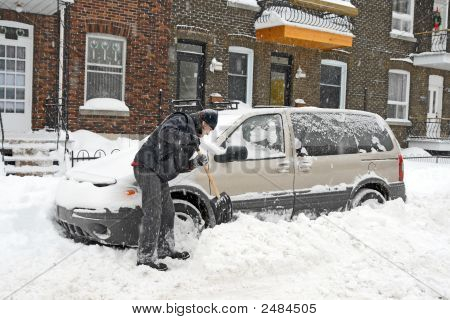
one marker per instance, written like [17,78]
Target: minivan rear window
[323,133]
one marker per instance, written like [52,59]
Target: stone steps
[33,155]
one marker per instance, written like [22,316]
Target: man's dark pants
[156,237]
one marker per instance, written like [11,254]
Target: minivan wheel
[188,218]
[367,197]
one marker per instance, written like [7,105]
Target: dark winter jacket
[169,148]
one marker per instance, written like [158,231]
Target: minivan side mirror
[233,153]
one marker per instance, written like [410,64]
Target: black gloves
[199,161]
[195,141]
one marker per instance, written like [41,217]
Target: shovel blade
[223,208]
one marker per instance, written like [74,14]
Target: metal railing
[56,119]
[432,41]
[431,128]
[304,16]
[2,150]
[84,155]
[430,159]
[194,105]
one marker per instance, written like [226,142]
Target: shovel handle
[212,181]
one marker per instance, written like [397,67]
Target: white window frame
[343,67]
[404,17]
[250,59]
[406,103]
[13,124]
[124,59]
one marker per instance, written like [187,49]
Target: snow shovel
[221,204]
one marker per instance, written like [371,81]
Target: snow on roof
[275,19]
[105,104]
[346,3]
[245,4]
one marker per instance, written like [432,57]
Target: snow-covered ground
[398,251]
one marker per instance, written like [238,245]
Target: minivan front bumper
[103,226]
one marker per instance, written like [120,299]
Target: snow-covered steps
[33,154]
[31,170]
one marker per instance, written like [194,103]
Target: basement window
[105,66]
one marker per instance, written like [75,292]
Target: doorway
[280,80]
[16,76]
[439,39]
[435,92]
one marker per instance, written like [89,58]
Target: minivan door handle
[283,167]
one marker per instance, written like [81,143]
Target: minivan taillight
[401,169]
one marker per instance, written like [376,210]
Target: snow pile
[351,255]
[415,152]
[94,144]
[105,104]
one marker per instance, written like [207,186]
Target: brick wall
[45,59]
[370,59]
[145,25]
[219,27]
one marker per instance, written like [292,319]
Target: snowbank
[350,255]
[415,152]
[93,142]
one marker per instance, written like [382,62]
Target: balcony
[432,50]
[45,7]
[305,26]
[432,134]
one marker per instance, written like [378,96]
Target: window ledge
[108,113]
[399,122]
[403,36]
[242,5]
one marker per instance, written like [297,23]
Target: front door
[280,81]
[439,39]
[16,75]
[191,75]
[435,92]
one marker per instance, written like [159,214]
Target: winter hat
[210,117]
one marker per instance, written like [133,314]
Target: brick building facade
[377,51]
[162,43]
[128,50]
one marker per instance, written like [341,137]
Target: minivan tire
[366,195]
[184,210]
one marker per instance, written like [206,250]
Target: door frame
[283,68]
[28,43]
[198,58]
[439,38]
[435,84]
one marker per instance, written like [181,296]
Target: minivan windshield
[325,133]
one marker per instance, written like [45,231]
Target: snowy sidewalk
[399,251]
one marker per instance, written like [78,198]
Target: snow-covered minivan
[299,160]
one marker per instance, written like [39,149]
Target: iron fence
[430,159]
[84,155]
[194,105]
[432,128]
[305,16]
[432,41]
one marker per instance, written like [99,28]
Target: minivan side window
[323,134]
[262,135]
